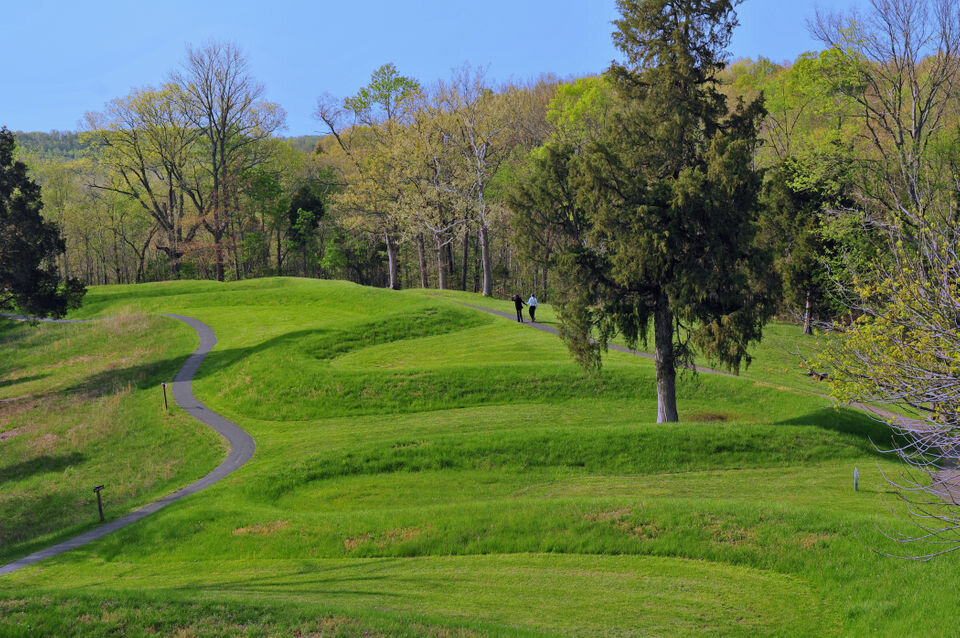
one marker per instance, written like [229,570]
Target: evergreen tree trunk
[485,260]
[392,262]
[422,261]
[663,357]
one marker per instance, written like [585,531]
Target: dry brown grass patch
[9,434]
[263,529]
[44,444]
[809,540]
[619,518]
[644,531]
[13,406]
[324,627]
[444,632]
[727,532]
[69,363]
[127,322]
[383,539]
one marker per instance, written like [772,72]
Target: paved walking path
[242,447]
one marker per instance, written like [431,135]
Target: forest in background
[674,192]
[411,185]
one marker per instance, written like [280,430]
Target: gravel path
[242,447]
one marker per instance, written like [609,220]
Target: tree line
[674,197]
[674,194]
[413,185]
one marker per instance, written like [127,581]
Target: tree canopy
[660,228]
[29,245]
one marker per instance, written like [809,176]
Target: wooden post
[99,502]
[165,397]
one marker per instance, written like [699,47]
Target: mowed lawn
[426,468]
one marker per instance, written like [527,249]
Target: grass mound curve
[424,468]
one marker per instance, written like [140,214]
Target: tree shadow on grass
[847,421]
[9,382]
[316,579]
[39,465]
[152,374]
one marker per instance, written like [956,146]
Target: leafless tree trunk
[422,261]
[485,260]
[392,262]
[441,266]
[466,256]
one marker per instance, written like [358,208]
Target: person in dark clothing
[518,302]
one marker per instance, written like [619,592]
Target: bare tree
[224,103]
[431,171]
[902,68]
[481,127]
[146,144]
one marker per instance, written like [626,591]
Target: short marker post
[99,502]
[165,408]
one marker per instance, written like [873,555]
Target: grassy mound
[426,468]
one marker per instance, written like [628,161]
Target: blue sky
[66,57]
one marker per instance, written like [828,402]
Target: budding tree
[225,104]
[904,349]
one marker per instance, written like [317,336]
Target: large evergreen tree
[29,245]
[669,199]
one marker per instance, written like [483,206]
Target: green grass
[424,468]
[80,405]
[779,360]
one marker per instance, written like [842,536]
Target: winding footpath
[241,443]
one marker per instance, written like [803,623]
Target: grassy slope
[421,465]
[778,361]
[80,405]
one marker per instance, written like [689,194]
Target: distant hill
[305,143]
[52,145]
[67,145]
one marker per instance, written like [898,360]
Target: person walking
[532,302]
[518,303]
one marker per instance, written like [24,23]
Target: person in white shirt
[532,302]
